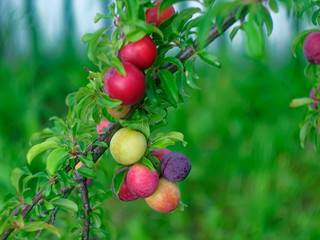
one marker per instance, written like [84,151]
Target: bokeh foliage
[250,178]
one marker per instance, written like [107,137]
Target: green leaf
[102,144]
[190,75]
[117,181]
[315,17]
[169,86]
[117,64]
[15,176]
[39,148]
[106,194]
[204,27]
[234,31]
[87,161]
[305,128]
[209,58]
[255,42]
[298,40]
[298,102]
[86,38]
[55,159]
[99,16]
[268,21]
[71,99]
[182,18]
[65,204]
[147,163]
[167,3]
[148,28]
[86,172]
[96,220]
[48,205]
[93,42]
[174,61]
[151,92]
[135,35]
[273,5]
[132,9]
[36,226]
[162,140]
[106,101]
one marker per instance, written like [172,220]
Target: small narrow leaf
[268,21]
[36,226]
[15,176]
[169,86]
[102,144]
[106,101]
[147,163]
[298,102]
[273,5]
[174,61]
[305,128]
[65,204]
[117,181]
[162,140]
[39,148]
[117,64]
[209,58]
[87,161]
[86,172]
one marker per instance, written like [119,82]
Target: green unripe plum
[127,146]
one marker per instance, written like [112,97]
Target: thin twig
[97,151]
[52,217]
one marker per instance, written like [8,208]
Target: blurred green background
[250,178]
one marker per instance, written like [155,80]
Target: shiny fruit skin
[311,47]
[128,146]
[142,181]
[119,113]
[175,166]
[124,193]
[130,88]
[160,153]
[166,198]
[152,14]
[141,53]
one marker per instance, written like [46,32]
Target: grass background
[250,178]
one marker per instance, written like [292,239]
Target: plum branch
[85,205]
[97,151]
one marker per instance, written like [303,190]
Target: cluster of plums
[128,146]
[159,189]
[135,57]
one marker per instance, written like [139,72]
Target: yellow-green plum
[166,198]
[127,146]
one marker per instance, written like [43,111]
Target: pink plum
[142,181]
[311,47]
